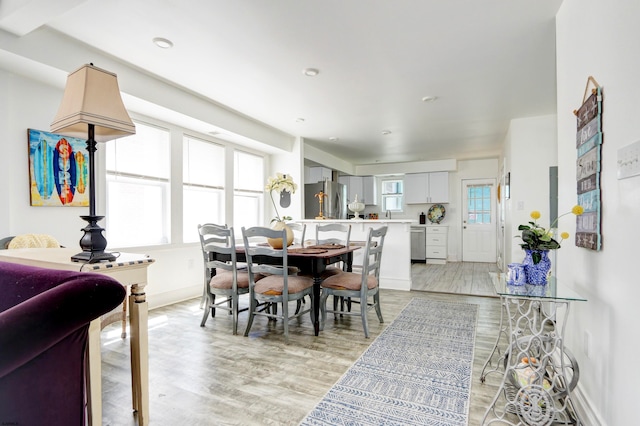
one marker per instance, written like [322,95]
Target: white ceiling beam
[20,17]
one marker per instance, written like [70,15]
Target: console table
[538,372]
[131,271]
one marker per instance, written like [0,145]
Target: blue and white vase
[537,274]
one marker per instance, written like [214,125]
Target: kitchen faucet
[387,214]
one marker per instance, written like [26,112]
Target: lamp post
[91,106]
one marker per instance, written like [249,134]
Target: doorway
[479,218]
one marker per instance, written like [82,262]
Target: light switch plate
[629,160]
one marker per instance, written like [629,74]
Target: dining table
[311,260]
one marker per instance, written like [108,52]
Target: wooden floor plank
[207,376]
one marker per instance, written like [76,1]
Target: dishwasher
[418,244]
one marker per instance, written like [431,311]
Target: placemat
[307,250]
[330,246]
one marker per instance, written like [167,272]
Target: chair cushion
[224,280]
[348,281]
[272,285]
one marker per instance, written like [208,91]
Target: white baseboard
[175,296]
[395,283]
[584,407]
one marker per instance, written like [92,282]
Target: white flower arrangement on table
[279,184]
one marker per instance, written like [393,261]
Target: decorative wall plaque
[589,151]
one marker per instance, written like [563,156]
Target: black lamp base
[93,243]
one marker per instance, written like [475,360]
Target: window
[392,195]
[248,194]
[138,171]
[479,204]
[203,186]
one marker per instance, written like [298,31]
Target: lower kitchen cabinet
[437,244]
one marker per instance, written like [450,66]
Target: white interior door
[479,218]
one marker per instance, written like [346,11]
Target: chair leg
[213,305]
[234,312]
[285,316]
[363,313]
[323,308]
[207,304]
[252,307]
[376,300]
[299,305]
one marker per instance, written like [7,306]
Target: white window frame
[399,196]
[216,192]
[140,220]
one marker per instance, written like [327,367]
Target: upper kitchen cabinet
[319,174]
[423,188]
[362,186]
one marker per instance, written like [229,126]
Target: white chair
[361,286]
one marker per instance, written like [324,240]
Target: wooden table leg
[138,320]
[94,375]
[315,303]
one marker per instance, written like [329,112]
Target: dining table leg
[315,303]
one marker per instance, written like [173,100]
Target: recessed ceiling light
[334,139]
[163,43]
[299,120]
[386,132]
[310,72]
[429,98]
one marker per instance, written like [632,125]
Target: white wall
[599,38]
[177,272]
[530,149]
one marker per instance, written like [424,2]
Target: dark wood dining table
[309,260]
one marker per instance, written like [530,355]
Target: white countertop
[410,221]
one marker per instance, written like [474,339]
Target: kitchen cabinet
[362,186]
[423,188]
[437,244]
[319,174]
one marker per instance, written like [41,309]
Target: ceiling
[487,62]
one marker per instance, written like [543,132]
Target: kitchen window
[392,190]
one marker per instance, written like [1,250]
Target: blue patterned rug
[416,372]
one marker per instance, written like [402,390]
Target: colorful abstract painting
[58,170]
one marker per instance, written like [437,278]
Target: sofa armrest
[33,326]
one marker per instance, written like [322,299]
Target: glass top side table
[539,373]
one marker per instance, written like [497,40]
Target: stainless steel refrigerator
[334,205]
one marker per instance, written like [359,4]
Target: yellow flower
[564,235]
[577,210]
[535,215]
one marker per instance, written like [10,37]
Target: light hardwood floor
[207,376]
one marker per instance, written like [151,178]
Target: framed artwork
[58,170]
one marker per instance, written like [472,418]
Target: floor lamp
[92,107]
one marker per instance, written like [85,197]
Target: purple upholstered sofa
[44,322]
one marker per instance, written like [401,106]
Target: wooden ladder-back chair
[221,278]
[280,284]
[360,286]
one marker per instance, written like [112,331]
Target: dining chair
[222,278]
[333,233]
[280,284]
[360,286]
[299,230]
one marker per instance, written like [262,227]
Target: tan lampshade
[92,96]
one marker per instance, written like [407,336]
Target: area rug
[416,372]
